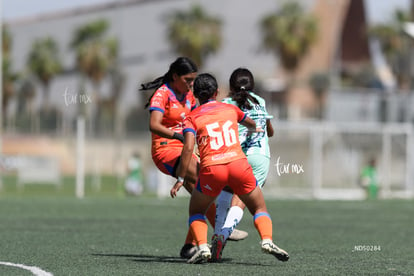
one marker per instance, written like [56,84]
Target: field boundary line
[34,269]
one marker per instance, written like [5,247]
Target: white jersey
[254,142]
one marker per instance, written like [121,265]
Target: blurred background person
[134,182]
[369,179]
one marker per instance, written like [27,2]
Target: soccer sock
[234,216]
[199,228]
[222,206]
[190,238]
[263,224]
[211,214]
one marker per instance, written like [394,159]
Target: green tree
[8,76]
[194,34]
[395,45]
[96,55]
[26,119]
[319,82]
[44,63]
[94,52]
[289,33]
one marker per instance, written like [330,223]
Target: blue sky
[378,10]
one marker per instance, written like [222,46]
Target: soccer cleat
[217,246]
[238,235]
[188,250]
[270,248]
[202,255]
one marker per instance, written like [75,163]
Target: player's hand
[254,130]
[259,129]
[176,188]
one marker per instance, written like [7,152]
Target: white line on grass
[35,270]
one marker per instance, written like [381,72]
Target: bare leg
[254,201]
[235,214]
[263,223]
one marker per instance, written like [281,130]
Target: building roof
[82,10]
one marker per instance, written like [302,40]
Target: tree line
[288,33]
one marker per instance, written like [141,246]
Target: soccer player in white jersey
[256,147]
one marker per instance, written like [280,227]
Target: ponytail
[155,84]
[242,97]
[241,82]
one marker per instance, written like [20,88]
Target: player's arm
[186,155]
[269,127]
[158,128]
[250,124]
[246,121]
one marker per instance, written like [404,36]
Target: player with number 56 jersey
[217,132]
[214,127]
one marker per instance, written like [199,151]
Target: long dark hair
[181,66]
[205,85]
[241,82]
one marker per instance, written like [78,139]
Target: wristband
[180,179]
[178,136]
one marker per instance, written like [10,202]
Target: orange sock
[199,228]
[211,214]
[263,224]
[189,238]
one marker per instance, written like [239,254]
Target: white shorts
[260,165]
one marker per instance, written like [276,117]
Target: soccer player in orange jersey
[168,106]
[214,126]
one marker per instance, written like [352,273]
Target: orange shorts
[167,160]
[237,174]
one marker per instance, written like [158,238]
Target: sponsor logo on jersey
[224,155]
[208,187]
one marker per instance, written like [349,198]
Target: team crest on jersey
[182,115]
[174,106]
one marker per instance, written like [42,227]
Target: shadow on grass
[144,258]
[169,259]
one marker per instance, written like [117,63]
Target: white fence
[32,169]
[324,160]
[319,160]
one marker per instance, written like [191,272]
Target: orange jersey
[174,110]
[215,126]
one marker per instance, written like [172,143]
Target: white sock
[234,216]
[222,206]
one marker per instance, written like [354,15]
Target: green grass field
[108,235]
